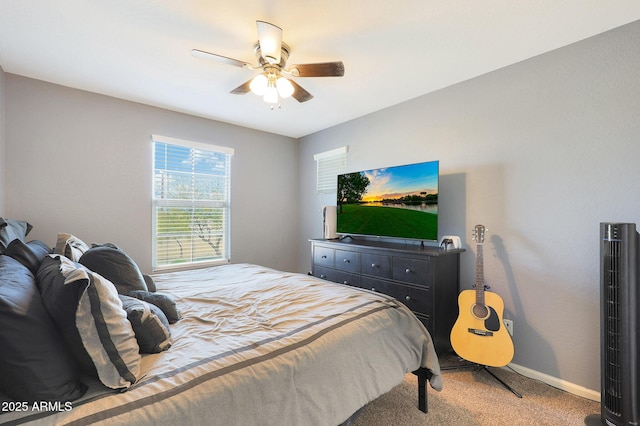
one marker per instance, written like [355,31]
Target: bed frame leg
[422,374]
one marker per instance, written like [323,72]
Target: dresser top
[412,247]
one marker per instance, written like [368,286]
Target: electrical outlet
[509,325]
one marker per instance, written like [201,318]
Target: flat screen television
[392,202]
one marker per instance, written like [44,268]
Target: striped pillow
[70,246]
[102,323]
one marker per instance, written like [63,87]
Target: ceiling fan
[272,54]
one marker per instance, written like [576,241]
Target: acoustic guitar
[478,335]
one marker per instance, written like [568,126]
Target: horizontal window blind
[329,165]
[191,208]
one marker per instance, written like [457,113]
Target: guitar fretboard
[479,276]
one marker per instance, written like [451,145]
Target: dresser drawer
[416,299]
[412,271]
[376,265]
[347,261]
[321,272]
[323,256]
[347,278]
[336,276]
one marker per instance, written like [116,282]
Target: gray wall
[540,153]
[2,144]
[81,163]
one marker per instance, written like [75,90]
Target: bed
[256,346]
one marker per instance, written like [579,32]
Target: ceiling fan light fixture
[259,84]
[284,86]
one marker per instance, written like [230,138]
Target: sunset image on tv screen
[399,202]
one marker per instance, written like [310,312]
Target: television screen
[395,202]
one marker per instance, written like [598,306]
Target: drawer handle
[373,265]
[324,256]
[408,271]
[407,298]
[346,261]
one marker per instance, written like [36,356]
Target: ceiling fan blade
[270,39]
[206,55]
[299,94]
[324,69]
[244,88]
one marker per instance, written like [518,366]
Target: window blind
[329,165]
[191,208]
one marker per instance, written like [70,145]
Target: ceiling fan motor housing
[284,55]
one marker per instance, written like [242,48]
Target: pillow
[116,266]
[151,285]
[42,245]
[11,230]
[29,254]
[60,299]
[161,300]
[149,324]
[35,364]
[70,246]
[107,334]
[100,322]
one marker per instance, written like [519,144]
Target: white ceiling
[140,50]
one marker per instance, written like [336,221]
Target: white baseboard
[557,383]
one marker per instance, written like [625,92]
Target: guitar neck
[479,276]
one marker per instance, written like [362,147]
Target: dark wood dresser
[426,279]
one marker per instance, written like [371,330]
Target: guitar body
[484,341]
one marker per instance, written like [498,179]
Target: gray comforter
[257,346]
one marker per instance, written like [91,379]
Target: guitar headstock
[478,233]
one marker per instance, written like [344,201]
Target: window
[190,203]
[330,165]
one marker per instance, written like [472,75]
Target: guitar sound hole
[480,311]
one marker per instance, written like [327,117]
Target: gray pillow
[11,229]
[151,284]
[35,364]
[61,300]
[29,254]
[116,266]
[161,300]
[149,324]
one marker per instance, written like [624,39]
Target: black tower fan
[619,323]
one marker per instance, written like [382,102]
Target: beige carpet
[475,398]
